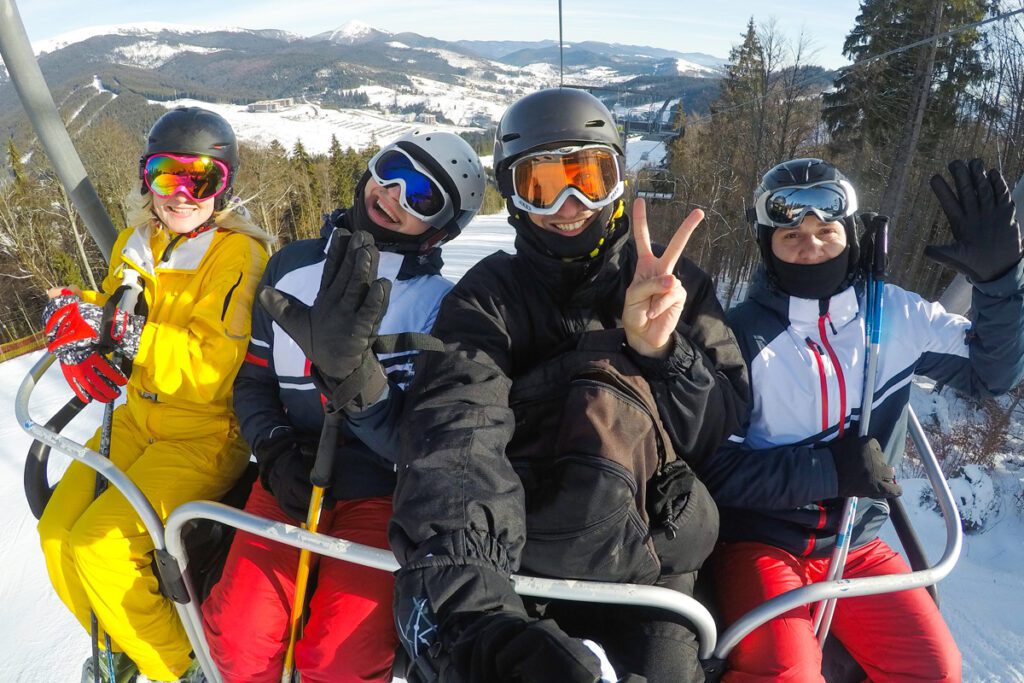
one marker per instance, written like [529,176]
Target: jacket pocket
[582,521]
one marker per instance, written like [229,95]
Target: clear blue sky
[683,25]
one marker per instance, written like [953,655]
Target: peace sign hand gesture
[655,298]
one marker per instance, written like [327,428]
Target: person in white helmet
[418,192]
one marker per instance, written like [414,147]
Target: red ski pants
[350,634]
[894,637]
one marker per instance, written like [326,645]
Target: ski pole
[321,479]
[129,301]
[873,328]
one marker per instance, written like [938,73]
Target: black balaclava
[815,281]
[586,245]
[812,281]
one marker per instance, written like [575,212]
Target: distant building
[271,105]
[429,119]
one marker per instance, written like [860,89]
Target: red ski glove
[73,324]
[93,377]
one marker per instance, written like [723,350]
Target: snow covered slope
[983,600]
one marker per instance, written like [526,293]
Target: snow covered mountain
[352,66]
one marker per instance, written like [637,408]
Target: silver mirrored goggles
[542,181]
[786,207]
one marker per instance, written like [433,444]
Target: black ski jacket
[458,528]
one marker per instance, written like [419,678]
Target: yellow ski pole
[321,479]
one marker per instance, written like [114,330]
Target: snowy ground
[983,600]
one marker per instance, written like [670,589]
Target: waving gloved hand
[510,648]
[862,470]
[981,217]
[337,332]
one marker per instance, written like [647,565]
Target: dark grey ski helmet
[194,130]
[796,174]
[549,118]
[806,177]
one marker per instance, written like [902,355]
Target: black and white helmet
[795,188]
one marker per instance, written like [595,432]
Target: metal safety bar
[850,588]
[709,644]
[119,480]
[170,540]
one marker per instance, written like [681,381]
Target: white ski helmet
[455,165]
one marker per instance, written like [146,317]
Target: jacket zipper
[816,350]
[837,367]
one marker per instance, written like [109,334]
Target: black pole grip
[881,244]
[325,452]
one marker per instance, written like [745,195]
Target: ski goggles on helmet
[786,207]
[541,182]
[421,195]
[198,177]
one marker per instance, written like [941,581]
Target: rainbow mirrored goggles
[786,207]
[422,196]
[542,181]
[198,177]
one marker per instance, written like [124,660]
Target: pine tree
[742,105]
[17,168]
[870,103]
[309,202]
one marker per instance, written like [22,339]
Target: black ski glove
[284,464]
[861,469]
[981,217]
[510,648]
[337,332]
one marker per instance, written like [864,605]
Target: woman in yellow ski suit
[176,437]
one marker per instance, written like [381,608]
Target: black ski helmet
[194,130]
[546,118]
[801,173]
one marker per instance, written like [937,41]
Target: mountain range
[354,65]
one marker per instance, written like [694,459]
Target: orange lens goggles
[541,180]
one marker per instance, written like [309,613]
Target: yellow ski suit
[176,437]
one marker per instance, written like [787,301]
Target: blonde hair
[234,217]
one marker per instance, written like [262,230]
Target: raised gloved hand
[862,470]
[507,647]
[71,323]
[284,464]
[981,217]
[337,332]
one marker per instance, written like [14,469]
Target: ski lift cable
[561,45]
[869,60]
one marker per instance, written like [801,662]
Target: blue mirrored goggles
[422,195]
[786,207]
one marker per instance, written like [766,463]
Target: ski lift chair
[176,568]
[655,184]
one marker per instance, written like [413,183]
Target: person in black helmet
[199,257]
[490,484]
[418,192]
[780,482]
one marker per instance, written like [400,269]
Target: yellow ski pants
[97,552]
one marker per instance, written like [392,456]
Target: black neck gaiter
[812,281]
[586,245]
